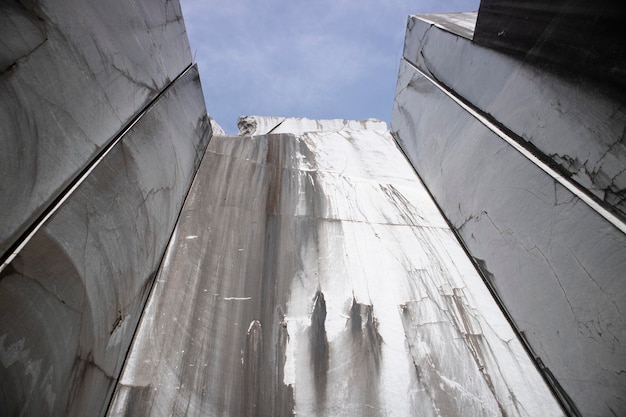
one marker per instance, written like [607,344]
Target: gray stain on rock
[319,346]
[364,326]
[251,364]
[366,354]
[283,399]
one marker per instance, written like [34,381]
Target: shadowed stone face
[91,184]
[524,164]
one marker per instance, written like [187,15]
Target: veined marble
[312,274]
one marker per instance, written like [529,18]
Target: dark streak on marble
[319,347]
[251,364]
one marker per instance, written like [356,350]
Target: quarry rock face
[103,125]
[469,262]
[74,74]
[312,274]
[527,166]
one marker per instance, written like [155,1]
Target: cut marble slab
[71,299]
[312,274]
[556,264]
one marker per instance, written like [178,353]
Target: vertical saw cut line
[575,188]
[58,202]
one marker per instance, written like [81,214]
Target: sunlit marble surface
[262,125]
[312,274]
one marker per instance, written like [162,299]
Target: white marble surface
[261,125]
[312,274]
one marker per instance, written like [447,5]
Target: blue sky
[301,58]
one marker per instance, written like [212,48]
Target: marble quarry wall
[529,168]
[103,126]
[468,263]
[312,274]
